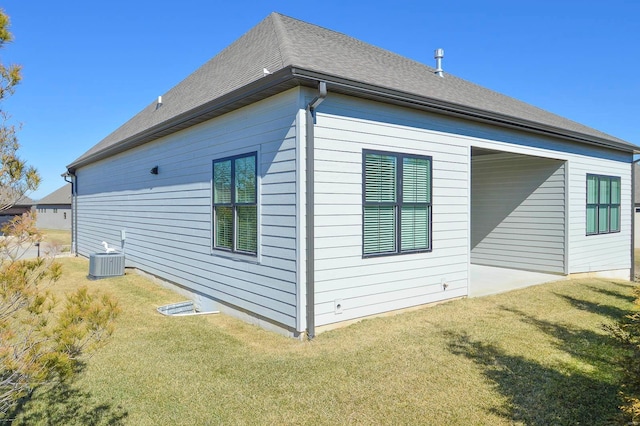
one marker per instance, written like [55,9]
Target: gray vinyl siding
[51,216]
[167,217]
[518,212]
[583,253]
[594,253]
[636,237]
[345,126]
[365,286]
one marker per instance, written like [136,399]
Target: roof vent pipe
[439,54]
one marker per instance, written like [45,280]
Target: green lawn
[537,356]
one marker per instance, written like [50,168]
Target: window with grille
[396,203]
[603,204]
[235,209]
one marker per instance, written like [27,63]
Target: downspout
[74,209]
[310,206]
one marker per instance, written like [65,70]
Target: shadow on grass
[578,384]
[601,309]
[66,405]
[619,295]
[627,286]
[537,394]
[595,349]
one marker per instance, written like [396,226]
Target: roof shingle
[281,43]
[59,196]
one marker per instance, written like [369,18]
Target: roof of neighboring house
[299,53]
[8,206]
[24,201]
[59,196]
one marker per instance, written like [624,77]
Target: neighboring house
[636,204]
[23,205]
[54,210]
[302,178]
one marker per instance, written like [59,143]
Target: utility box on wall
[103,265]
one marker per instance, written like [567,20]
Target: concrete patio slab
[486,280]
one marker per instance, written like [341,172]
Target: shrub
[627,332]
[41,342]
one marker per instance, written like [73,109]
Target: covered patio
[486,280]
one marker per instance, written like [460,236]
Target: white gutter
[310,210]
[341,85]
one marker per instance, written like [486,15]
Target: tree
[42,342]
[16,178]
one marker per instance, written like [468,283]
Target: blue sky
[90,66]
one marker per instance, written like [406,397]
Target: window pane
[379,229]
[615,219]
[247,235]
[603,204]
[591,220]
[416,180]
[245,179]
[223,227]
[222,182]
[592,189]
[415,228]
[380,173]
[604,191]
[615,190]
[603,219]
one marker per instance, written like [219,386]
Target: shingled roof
[60,196]
[299,53]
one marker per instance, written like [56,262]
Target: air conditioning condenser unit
[103,265]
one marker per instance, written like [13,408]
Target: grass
[57,236]
[536,356]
